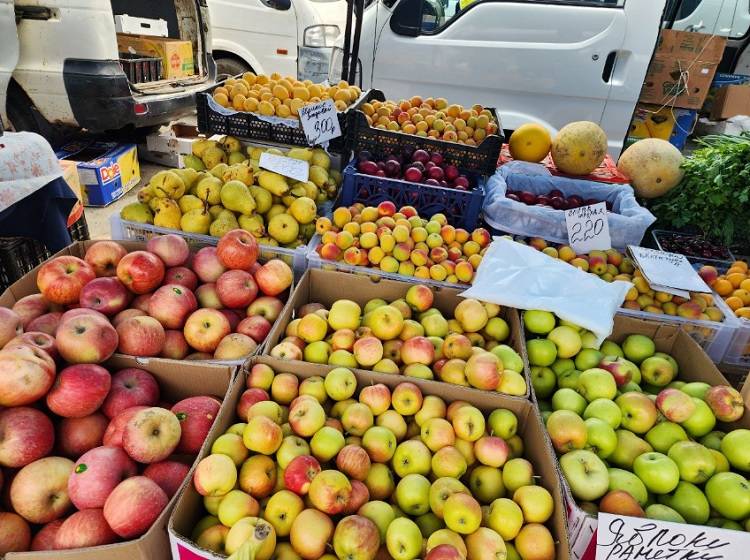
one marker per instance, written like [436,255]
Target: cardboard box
[176,55]
[106,170]
[177,380]
[170,144]
[666,123]
[688,45]
[323,286]
[731,101]
[694,365]
[189,508]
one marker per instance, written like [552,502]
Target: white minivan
[59,65]
[291,37]
[545,61]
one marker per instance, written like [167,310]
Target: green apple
[712,440]
[543,380]
[380,513]
[505,518]
[588,358]
[610,348]
[589,340]
[340,383]
[722,463]
[695,462]
[441,490]
[542,352]
[600,437]
[486,483]
[657,371]
[429,523]
[326,443]
[567,340]
[620,479]
[586,474]
[561,365]
[724,524]
[696,389]
[412,457]
[604,409]
[631,387]
[510,358]
[629,446]
[701,422]
[403,539]
[676,385]
[538,322]
[413,494]
[657,471]
[688,500]
[503,423]
[343,359]
[596,383]
[568,399]
[729,494]
[671,360]
[664,435]
[736,447]
[568,379]
[638,347]
[660,512]
[511,552]
[516,473]
[639,412]
[373,304]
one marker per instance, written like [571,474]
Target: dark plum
[367,167]
[392,168]
[513,196]
[436,158]
[451,172]
[419,165]
[556,192]
[432,182]
[527,197]
[574,201]
[435,173]
[413,174]
[461,181]
[543,199]
[557,202]
[420,155]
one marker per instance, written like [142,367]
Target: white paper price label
[588,228]
[667,272]
[636,538]
[320,122]
[288,167]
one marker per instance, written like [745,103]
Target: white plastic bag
[627,223]
[519,276]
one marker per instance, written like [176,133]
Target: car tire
[229,67]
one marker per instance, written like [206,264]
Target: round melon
[530,142]
[653,166]
[579,148]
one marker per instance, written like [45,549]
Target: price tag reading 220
[588,228]
[320,122]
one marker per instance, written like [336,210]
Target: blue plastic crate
[462,208]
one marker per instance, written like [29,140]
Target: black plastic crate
[141,69]
[480,159]
[462,208]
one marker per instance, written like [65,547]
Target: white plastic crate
[141,26]
[738,353]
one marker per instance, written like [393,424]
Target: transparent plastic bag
[519,276]
[627,223]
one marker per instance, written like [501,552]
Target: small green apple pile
[313,464]
[411,337]
[633,439]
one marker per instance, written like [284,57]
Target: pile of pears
[223,188]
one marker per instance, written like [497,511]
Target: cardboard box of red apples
[694,365]
[326,287]
[189,510]
[154,300]
[101,494]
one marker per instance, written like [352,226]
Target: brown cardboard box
[694,365]
[176,55]
[177,380]
[323,286]
[731,101]
[691,46]
[189,508]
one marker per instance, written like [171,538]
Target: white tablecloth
[27,163]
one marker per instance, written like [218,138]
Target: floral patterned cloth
[27,163]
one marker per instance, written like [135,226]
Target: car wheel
[229,67]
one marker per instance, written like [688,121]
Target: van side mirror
[281,5]
[407,18]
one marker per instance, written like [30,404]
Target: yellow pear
[274,151]
[201,145]
[254,224]
[167,214]
[273,182]
[193,162]
[223,224]
[318,175]
[239,172]
[146,194]
[219,170]
[274,210]
[305,154]
[303,210]
[320,158]
[213,157]
[230,144]
[215,210]
[283,228]
[137,212]
[190,202]
[189,176]
[197,220]
[235,196]
[208,189]
[263,199]
[167,184]
[235,158]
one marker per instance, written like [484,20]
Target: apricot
[722,286]
[734,303]
[742,265]
[736,278]
[744,295]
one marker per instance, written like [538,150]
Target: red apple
[354,462]
[141,336]
[236,289]
[725,402]
[234,316]
[274,277]
[196,416]
[140,271]
[75,436]
[171,304]
[79,390]
[86,339]
[169,475]
[31,307]
[151,435]
[182,276]
[84,529]
[134,505]
[300,472]
[103,257]
[444,552]
[61,279]
[175,346]
[330,492]
[238,249]
[205,328]
[127,314]
[26,434]
[46,323]
[113,434]
[170,248]
[256,327]
[266,306]
[207,265]
[106,295]
[130,387]
[27,374]
[360,496]
[15,533]
[10,325]
[96,473]
[45,538]
[40,340]
[248,398]
[141,302]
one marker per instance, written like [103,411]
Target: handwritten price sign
[320,122]
[634,538]
[667,271]
[588,228]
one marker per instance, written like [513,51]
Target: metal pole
[360,9]
[347,39]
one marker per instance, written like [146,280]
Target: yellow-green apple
[343,339]
[639,413]
[338,408]
[410,330]
[588,358]
[377,397]
[437,433]
[300,473]
[689,502]
[284,388]
[344,314]
[171,305]
[536,503]
[330,491]
[315,387]
[534,542]
[726,403]
[585,473]
[357,419]
[140,336]
[446,536]
[604,409]
[354,462]
[39,491]
[468,423]
[386,366]
[142,272]
[729,494]
[260,376]
[27,374]
[694,461]
[258,476]
[638,347]
[417,350]
[471,314]
[356,538]
[310,533]
[75,436]
[420,371]
[620,479]
[84,529]
[215,475]
[130,387]
[267,307]
[517,472]
[231,445]
[61,279]
[380,444]
[658,472]
[442,489]
[238,249]
[407,398]
[462,513]
[312,328]
[392,350]
[106,295]
[274,277]
[340,383]
[735,447]
[542,352]
[79,390]
[326,443]
[491,451]
[251,534]
[702,421]
[380,513]
[663,513]
[262,435]
[26,434]
[485,544]
[281,510]
[486,483]
[151,435]
[368,351]
[665,434]
[657,371]
[235,505]
[342,358]
[103,257]
[411,457]
[567,340]
[205,328]
[30,307]
[457,345]
[629,446]
[306,416]
[448,461]
[419,297]
[435,325]
[502,423]
[623,371]
[483,371]
[505,517]
[432,407]
[403,539]
[212,538]
[380,482]
[386,322]
[360,495]
[169,475]
[196,416]
[600,437]
[96,473]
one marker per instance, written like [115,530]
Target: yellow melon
[530,142]
[579,148]
[653,166]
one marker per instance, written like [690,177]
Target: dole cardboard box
[617,537]
[177,381]
[326,287]
[190,509]
[176,55]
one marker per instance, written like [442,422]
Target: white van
[545,61]
[59,64]
[291,37]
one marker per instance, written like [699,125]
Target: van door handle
[609,67]
[33,12]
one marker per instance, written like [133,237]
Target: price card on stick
[288,167]
[668,272]
[588,228]
[636,538]
[320,122]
